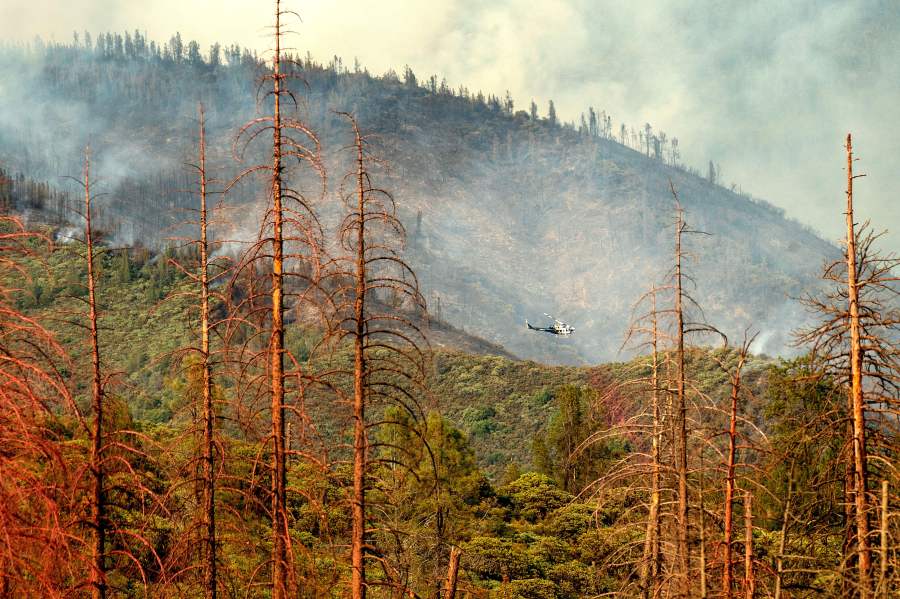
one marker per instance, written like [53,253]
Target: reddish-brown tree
[645,327]
[209,409]
[204,464]
[681,450]
[857,405]
[730,464]
[39,547]
[389,364]
[651,565]
[288,249]
[855,344]
[98,518]
[115,448]
[749,573]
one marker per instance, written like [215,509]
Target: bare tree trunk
[782,541]
[371,213]
[856,394]
[209,415]
[749,578]
[848,563]
[883,580]
[98,503]
[452,573]
[703,588]
[681,421]
[360,440]
[276,348]
[650,567]
[727,574]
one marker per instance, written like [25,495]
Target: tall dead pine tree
[681,436]
[730,479]
[388,362]
[648,325]
[290,231]
[117,456]
[360,438]
[855,342]
[276,350]
[683,326]
[98,502]
[857,404]
[210,584]
[198,552]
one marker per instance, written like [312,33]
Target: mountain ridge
[509,215]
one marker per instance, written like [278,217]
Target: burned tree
[645,330]
[736,439]
[202,468]
[680,424]
[684,325]
[661,466]
[377,306]
[855,344]
[39,554]
[97,467]
[209,410]
[288,249]
[117,541]
[727,574]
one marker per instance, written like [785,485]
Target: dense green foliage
[500,478]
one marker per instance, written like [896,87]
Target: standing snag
[200,362]
[855,343]
[288,249]
[98,521]
[40,555]
[377,303]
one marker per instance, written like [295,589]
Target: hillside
[260,404]
[509,215]
[501,403]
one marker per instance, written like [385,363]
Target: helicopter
[557,328]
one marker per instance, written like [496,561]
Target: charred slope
[509,216]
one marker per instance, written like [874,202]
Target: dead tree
[209,412]
[39,553]
[647,325]
[683,327]
[113,479]
[288,249]
[730,464]
[856,344]
[280,531]
[98,518]
[681,450]
[199,362]
[666,426]
[651,550]
[389,357]
[860,459]
[749,576]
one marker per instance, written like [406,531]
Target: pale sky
[767,89]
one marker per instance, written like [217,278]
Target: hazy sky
[768,89]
